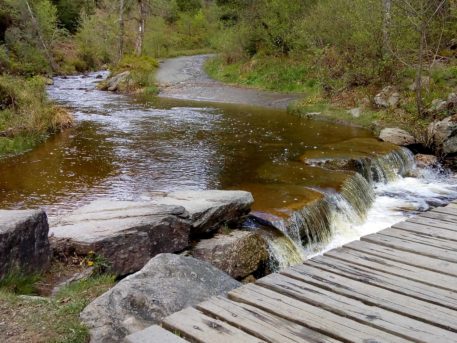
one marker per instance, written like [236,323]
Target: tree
[142,10]
[121,29]
[421,15]
[386,22]
[39,33]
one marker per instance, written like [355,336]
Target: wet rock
[443,134]
[238,253]
[127,234]
[168,283]
[49,81]
[355,112]
[24,244]
[99,76]
[426,161]
[389,97]
[208,210]
[397,136]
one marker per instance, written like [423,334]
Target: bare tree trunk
[140,36]
[40,37]
[386,23]
[419,69]
[121,29]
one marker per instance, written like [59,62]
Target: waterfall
[283,251]
[388,167]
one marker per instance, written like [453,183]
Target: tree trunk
[141,25]
[420,68]
[121,29]
[386,23]
[44,46]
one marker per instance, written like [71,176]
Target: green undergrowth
[326,99]
[41,319]
[272,73]
[26,114]
[142,75]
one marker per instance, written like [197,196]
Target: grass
[27,117]
[38,319]
[287,74]
[272,73]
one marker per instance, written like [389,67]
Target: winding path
[185,78]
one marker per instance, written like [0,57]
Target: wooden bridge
[399,285]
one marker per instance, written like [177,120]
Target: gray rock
[355,112]
[389,97]
[24,244]
[426,161]
[426,82]
[125,233]
[397,136]
[113,82]
[443,134]
[438,105]
[209,209]
[168,283]
[153,334]
[238,253]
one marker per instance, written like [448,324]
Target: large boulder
[127,234]
[389,97]
[209,209]
[238,253]
[397,136]
[168,283]
[443,134]
[114,82]
[24,244]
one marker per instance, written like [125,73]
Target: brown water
[125,148]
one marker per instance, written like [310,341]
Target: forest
[337,53]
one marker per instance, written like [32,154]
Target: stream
[127,148]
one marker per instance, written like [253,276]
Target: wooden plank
[433,222]
[372,295]
[153,333]
[440,216]
[412,259]
[395,268]
[446,210]
[417,248]
[420,238]
[197,326]
[260,323]
[427,230]
[310,316]
[387,281]
[369,315]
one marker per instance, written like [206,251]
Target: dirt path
[184,78]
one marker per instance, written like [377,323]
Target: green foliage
[26,115]
[19,283]
[54,319]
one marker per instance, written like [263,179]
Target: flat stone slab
[209,209]
[126,233]
[24,244]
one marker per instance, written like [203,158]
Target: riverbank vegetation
[31,318]
[341,53]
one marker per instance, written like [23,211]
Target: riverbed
[129,147]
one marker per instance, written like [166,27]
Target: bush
[26,115]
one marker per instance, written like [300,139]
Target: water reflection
[123,148]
